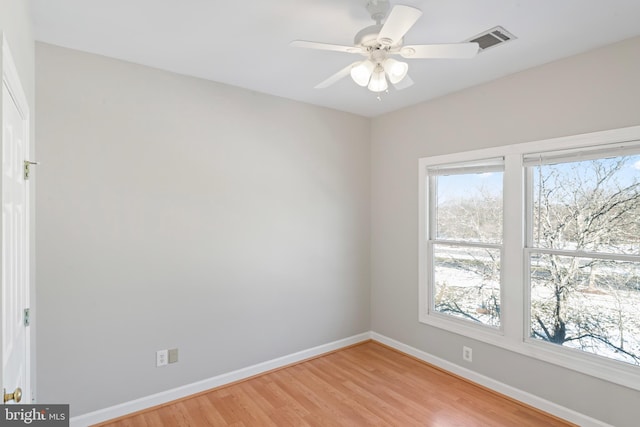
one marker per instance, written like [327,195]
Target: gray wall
[16,27]
[594,91]
[176,212]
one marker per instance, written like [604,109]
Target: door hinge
[27,317]
[27,168]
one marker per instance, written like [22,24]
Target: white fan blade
[404,83]
[398,23]
[436,51]
[325,46]
[337,76]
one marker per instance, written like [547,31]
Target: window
[584,252]
[537,250]
[465,241]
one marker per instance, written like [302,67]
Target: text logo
[35,415]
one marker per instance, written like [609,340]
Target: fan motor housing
[368,36]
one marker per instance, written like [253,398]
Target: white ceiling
[246,42]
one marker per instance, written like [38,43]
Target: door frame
[11,79]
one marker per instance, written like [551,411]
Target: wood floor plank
[364,385]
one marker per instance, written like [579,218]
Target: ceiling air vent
[492,37]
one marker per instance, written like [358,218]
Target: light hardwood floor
[364,385]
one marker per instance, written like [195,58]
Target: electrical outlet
[173,355]
[162,358]
[467,353]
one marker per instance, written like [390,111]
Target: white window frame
[513,334]
[432,172]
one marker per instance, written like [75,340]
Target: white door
[14,236]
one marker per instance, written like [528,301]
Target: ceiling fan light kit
[378,42]
[378,82]
[362,71]
[396,70]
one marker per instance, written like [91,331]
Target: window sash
[432,280]
[591,357]
[579,154]
[484,166]
[493,164]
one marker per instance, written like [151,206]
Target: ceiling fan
[379,42]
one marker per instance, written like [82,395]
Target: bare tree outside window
[467,246]
[585,274]
[584,249]
[535,247]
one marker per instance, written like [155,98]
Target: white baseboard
[217,381]
[512,392]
